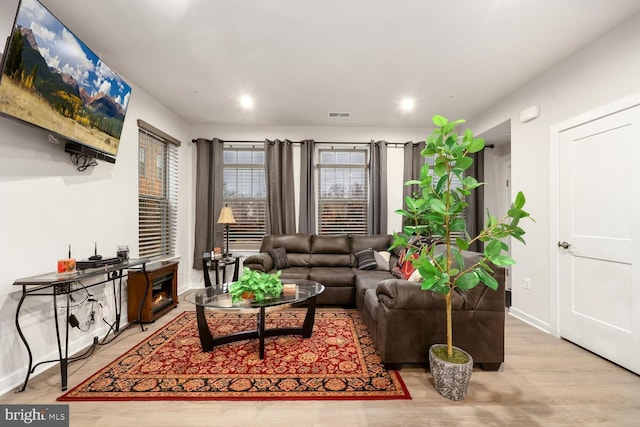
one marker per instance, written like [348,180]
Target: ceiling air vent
[337,115]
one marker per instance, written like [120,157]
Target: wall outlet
[527,283]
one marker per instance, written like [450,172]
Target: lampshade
[226,216]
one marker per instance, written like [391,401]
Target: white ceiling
[301,59]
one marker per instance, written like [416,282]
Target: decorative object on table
[436,211]
[339,362]
[289,288]
[226,218]
[123,252]
[256,285]
[67,265]
[217,253]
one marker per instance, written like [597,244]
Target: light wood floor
[544,382]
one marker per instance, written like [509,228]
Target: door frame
[554,195]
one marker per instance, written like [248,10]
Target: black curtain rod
[395,144]
[293,142]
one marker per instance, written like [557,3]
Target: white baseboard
[533,321]
[15,380]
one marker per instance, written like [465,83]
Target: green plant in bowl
[256,285]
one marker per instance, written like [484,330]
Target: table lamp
[226,218]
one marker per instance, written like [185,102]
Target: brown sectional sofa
[402,319]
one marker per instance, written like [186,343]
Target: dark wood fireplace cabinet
[148,302]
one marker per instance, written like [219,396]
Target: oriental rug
[339,361]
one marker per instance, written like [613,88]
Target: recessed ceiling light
[407,104]
[246,102]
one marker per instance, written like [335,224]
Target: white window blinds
[157,194]
[245,192]
[343,191]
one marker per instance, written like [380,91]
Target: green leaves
[439,121]
[463,162]
[468,280]
[437,206]
[519,203]
[436,209]
[261,285]
[475,145]
[486,278]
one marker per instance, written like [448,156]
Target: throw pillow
[395,271]
[403,269]
[279,256]
[382,260]
[415,276]
[366,260]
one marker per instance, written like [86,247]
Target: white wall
[604,71]
[46,204]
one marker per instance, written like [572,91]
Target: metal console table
[58,284]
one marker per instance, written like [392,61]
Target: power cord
[91,320]
[82,161]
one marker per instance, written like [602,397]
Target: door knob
[563,245]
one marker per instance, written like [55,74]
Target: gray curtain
[307,219]
[378,180]
[413,162]
[474,213]
[280,193]
[209,168]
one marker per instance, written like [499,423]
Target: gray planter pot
[450,379]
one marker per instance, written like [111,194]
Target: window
[245,191]
[157,194]
[343,191]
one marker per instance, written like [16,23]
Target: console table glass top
[54,278]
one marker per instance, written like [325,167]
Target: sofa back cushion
[330,245]
[292,243]
[377,242]
[297,246]
[331,251]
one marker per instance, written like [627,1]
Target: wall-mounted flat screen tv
[52,80]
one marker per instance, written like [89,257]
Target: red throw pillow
[404,268]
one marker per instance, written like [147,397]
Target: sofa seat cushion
[333,276]
[369,279]
[295,273]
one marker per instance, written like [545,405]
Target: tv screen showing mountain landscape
[50,79]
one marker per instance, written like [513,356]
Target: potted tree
[436,213]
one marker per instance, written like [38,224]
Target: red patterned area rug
[339,361]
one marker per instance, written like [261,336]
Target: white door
[599,204]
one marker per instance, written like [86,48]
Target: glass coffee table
[218,298]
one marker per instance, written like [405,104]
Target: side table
[217,265]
